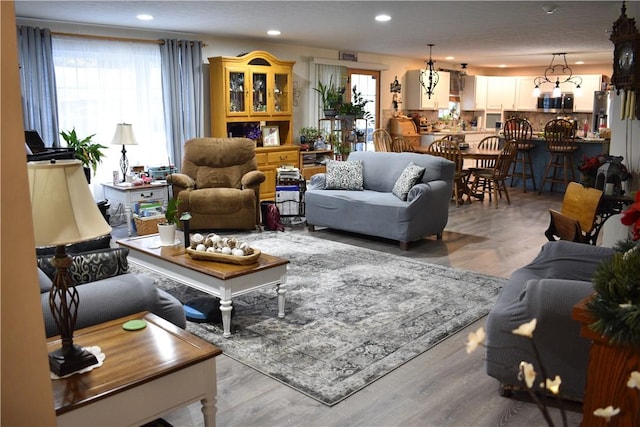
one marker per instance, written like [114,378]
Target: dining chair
[399,145]
[497,176]
[492,142]
[521,131]
[559,136]
[382,140]
[449,150]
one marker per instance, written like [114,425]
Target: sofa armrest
[117,297]
[318,182]
[252,179]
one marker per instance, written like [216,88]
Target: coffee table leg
[282,290]
[225,308]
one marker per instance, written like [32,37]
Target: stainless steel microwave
[550,104]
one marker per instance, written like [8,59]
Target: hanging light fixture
[562,73]
[462,75]
[429,77]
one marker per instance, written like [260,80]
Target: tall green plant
[88,152]
[331,94]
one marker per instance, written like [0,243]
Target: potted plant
[331,97]
[88,152]
[356,107]
[167,228]
[308,135]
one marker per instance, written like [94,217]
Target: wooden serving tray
[229,259]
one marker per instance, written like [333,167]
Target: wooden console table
[146,373]
[608,372]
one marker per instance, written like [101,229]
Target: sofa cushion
[409,177]
[91,266]
[344,175]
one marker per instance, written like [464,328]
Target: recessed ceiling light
[579,62]
[449,58]
[274,32]
[144,17]
[502,66]
[383,18]
[549,8]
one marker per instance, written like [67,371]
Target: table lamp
[124,136]
[63,212]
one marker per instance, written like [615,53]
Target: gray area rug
[352,314]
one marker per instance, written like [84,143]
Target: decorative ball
[237,252]
[201,247]
[211,249]
[226,250]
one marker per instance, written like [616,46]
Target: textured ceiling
[481,33]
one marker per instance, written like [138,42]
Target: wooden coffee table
[146,374]
[219,279]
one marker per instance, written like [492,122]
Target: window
[101,83]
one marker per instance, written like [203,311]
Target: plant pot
[330,113]
[167,234]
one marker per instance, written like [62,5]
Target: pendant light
[429,77]
[559,70]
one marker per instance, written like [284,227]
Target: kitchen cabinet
[250,89]
[271,158]
[474,95]
[416,98]
[525,101]
[501,93]
[590,84]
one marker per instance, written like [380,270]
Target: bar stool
[521,131]
[560,139]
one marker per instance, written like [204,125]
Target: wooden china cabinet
[251,91]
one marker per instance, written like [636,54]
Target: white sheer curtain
[101,83]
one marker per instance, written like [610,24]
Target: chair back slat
[382,140]
[449,150]
[488,143]
[503,164]
[559,135]
[519,130]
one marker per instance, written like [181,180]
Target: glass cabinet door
[259,93]
[281,93]
[237,100]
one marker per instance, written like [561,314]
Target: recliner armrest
[252,179]
[181,180]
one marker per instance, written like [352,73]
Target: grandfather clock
[626,63]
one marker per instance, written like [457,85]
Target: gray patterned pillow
[91,266]
[409,177]
[344,175]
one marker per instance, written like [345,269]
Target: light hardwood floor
[442,387]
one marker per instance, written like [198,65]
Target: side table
[128,195]
[146,374]
[607,374]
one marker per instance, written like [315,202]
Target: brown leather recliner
[219,184]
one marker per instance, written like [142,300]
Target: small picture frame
[270,136]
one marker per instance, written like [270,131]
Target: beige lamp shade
[124,135]
[62,207]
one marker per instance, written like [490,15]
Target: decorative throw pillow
[409,177]
[344,175]
[91,266]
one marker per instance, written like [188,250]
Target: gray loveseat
[107,290]
[546,289]
[375,210]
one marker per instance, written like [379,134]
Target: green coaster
[134,325]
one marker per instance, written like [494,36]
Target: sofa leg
[311,228]
[439,236]
[404,246]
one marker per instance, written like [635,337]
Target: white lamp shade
[124,135]
[62,207]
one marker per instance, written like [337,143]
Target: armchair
[219,184]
